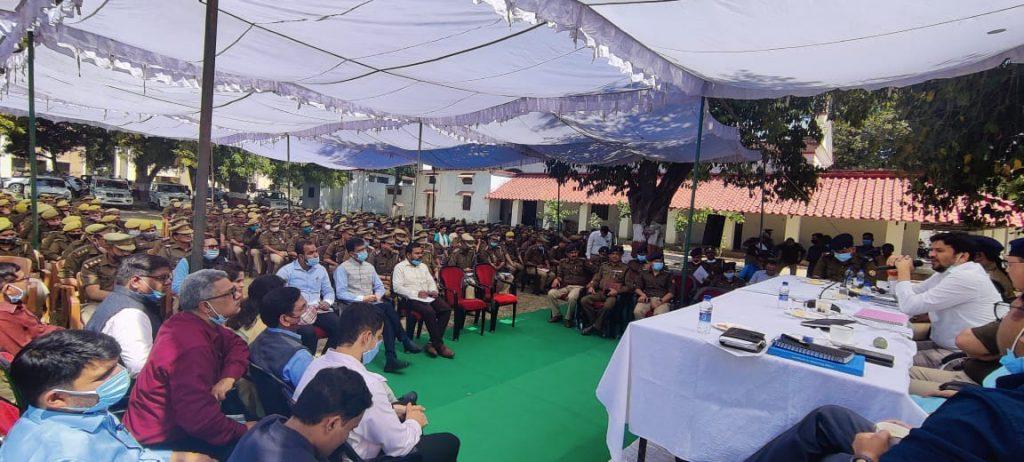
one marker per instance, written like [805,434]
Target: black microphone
[880,269]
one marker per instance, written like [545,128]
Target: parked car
[235,199]
[272,199]
[51,185]
[78,187]
[112,191]
[161,194]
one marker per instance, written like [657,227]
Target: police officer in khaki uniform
[13,246]
[179,246]
[987,255]
[90,246]
[54,246]
[571,275]
[100,272]
[654,291]
[274,244]
[384,260]
[834,265]
[464,255]
[234,238]
[535,260]
[603,289]
[144,232]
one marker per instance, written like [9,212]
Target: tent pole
[415,184]
[288,159]
[693,199]
[205,128]
[33,168]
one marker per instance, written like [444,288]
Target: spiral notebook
[787,342]
[855,366]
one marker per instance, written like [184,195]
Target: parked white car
[112,191]
[161,194]
[50,185]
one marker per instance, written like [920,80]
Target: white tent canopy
[773,48]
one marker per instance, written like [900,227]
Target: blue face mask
[307,230]
[657,266]
[1013,363]
[415,262]
[15,298]
[108,394]
[153,295]
[311,262]
[216,317]
[641,258]
[843,257]
[867,241]
[362,255]
[211,254]
[254,228]
[369,355]
[494,244]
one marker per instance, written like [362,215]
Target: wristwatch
[861,458]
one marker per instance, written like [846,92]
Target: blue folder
[854,367]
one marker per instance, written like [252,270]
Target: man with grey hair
[131,313]
[194,363]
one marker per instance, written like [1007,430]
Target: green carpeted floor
[518,394]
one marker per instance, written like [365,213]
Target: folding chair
[486,276]
[275,395]
[451,278]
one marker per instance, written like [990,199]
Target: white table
[680,390]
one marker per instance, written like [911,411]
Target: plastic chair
[413,320]
[275,395]
[486,276]
[451,278]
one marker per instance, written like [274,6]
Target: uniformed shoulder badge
[92,262]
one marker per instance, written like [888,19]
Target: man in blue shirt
[309,276]
[69,379]
[327,411]
[358,281]
[279,349]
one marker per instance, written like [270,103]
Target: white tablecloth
[672,386]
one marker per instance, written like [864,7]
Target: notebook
[888,317]
[854,367]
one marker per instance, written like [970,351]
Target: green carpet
[518,394]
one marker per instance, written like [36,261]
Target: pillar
[625,227]
[584,217]
[728,234]
[792,228]
[894,232]
[517,212]
[671,235]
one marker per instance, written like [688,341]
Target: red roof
[855,195]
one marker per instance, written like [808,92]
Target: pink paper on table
[890,317]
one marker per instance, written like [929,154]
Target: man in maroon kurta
[195,361]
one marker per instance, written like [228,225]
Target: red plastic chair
[451,278]
[486,276]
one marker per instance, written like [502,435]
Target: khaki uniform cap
[121,241]
[5,224]
[69,219]
[95,228]
[108,219]
[48,214]
[181,229]
[72,226]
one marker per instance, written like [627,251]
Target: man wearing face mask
[89,246]
[323,417]
[412,280]
[131,312]
[654,289]
[69,379]
[194,363]
[843,257]
[274,245]
[180,246]
[59,242]
[279,349]
[212,258]
[18,326]
[388,429]
[13,246]
[309,276]
[357,281]
[958,296]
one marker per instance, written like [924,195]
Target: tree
[777,128]
[151,155]
[872,144]
[555,213]
[52,139]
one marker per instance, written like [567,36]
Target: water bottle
[784,295]
[859,281]
[847,277]
[704,323]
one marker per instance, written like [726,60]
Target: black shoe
[410,346]
[555,319]
[588,331]
[395,365]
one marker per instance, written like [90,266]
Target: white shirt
[133,331]
[380,430]
[595,241]
[408,280]
[759,276]
[956,299]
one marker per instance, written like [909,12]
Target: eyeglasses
[1003,309]
[234,293]
[164,278]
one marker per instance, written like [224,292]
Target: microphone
[884,268]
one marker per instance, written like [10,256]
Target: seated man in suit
[279,349]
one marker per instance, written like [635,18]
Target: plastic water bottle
[847,278]
[858,282]
[704,322]
[784,295]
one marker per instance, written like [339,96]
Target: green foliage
[701,216]
[874,143]
[294,175]
[623,208]
[555,213]
[594,221]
